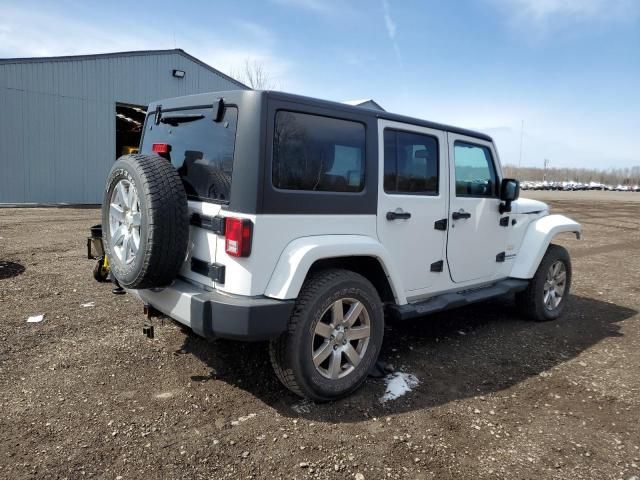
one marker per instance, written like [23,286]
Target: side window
[410,163]
[475,173]
[317,153]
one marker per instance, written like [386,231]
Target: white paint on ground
[243,419]
[88,305]
[398,384]
[35,318]
[164,395]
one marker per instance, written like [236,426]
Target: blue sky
[570,69]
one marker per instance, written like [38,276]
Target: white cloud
[317,6]
[391,29]
[256,32]
[388,21]
[544,15]
[25,33]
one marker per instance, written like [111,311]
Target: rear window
[200,149]
[316,153]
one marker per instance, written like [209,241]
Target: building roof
[135,53]
[366,103]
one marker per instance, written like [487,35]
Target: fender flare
[300,254]
[536,241]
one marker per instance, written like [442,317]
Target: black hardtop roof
[235,95]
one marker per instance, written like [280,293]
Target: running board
[448,301]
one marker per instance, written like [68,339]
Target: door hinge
[215,224]
[440,224]
[500,257]
[215,271]
[504,222]
[437,266]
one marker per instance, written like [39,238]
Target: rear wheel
[546,296]
[334,336]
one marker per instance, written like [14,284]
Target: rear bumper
[213,314]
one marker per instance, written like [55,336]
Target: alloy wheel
[124,221]
[341,338]
[555,285]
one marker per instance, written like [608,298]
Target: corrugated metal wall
[57,118]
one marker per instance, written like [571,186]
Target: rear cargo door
[202,151]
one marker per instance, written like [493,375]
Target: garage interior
[129,123]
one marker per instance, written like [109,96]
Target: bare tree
[254,74]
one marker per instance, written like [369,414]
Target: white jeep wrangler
[268,216]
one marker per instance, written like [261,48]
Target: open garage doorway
[129,123]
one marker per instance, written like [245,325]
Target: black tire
[531,301]
[100,273]
[291,353]
[164,222]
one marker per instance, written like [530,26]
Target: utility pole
[546,165]
[521,140]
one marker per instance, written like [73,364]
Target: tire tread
[167,210]
[280,352]
[528,301]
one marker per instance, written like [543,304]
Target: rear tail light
[161,148]
[237,237]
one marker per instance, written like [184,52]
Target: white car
[268,216]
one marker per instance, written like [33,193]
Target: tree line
[609,176]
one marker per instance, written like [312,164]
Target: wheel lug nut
[335,347]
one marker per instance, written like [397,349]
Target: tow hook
[147,330]
[117,289]
[147,327]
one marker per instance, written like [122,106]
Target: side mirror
[509,191]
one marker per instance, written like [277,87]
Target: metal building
[64,120]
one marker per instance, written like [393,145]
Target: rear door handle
[398,215]
[460,214]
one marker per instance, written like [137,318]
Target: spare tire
[145,224]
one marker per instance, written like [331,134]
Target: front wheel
[546,296]
[334,336]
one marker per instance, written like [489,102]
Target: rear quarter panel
[271,235]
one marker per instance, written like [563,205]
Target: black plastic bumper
[239,318]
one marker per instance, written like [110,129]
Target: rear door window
[201,150]
[410,163]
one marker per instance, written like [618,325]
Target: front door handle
[460,214]
[398,215]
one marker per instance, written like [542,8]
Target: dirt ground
[83,394]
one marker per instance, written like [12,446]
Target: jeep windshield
[199,148]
